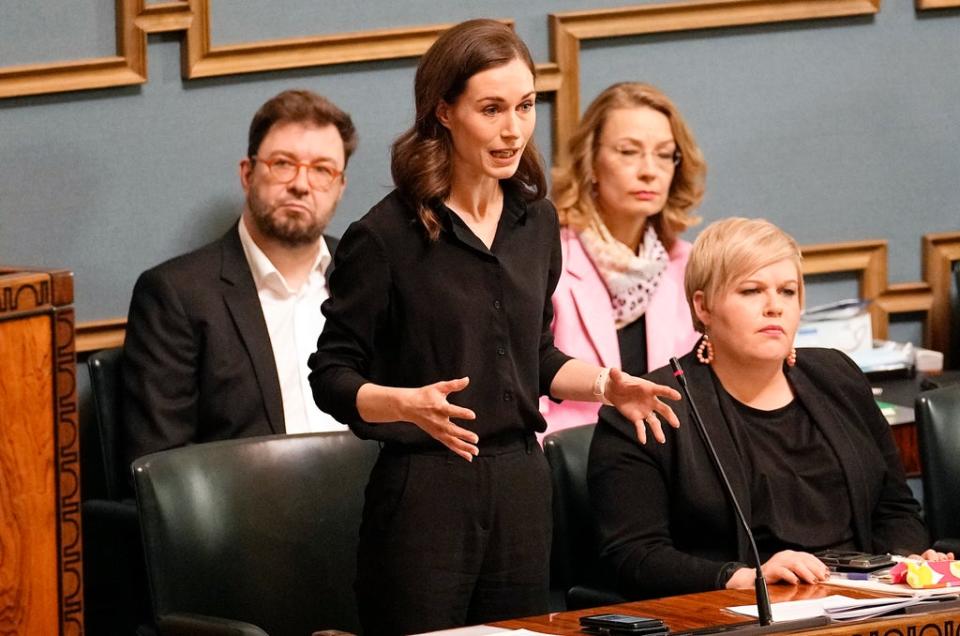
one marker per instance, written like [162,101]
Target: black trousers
[445,542]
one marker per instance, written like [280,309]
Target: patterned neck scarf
[630,278]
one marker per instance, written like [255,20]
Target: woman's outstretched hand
[640,402]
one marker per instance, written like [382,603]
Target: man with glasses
[217,339]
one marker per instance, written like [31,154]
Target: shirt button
[507,396]
[501,351]
[496,304]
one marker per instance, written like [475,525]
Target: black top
[633,346]
[665,524]
[798,494]
[406,311]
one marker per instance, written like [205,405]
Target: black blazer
[665,523]
[197,363]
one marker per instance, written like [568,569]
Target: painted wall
[837,130]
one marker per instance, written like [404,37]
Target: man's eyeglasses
[320,176]
[633,156]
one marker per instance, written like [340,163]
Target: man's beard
[290,232]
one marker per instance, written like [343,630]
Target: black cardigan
[665,524]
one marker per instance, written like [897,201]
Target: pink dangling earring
[705,346]
[792,358]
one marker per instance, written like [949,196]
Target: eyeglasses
[320,176]
[633,156]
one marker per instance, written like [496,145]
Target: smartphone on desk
[843,561]
[622,624]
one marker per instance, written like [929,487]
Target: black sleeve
[631,495]
[896,524]
[355,313]
[160,357]
[551,358]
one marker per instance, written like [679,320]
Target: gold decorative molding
[100,334]
[127,67]
[135,20]
[867,259]
[937,4]
[939,253]
[568,30]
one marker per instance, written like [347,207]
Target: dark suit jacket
[197,364]
[665,523]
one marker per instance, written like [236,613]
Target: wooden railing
[41,558]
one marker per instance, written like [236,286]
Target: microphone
[764,612]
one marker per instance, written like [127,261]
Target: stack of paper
[900,589]
[837,607]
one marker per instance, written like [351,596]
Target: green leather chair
[116,596]
[255,535]
[938,438]
[577,575]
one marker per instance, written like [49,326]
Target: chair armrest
[948,545]
[119,514]
[201,625]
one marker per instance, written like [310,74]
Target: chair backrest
[938,437]
[575,559]
[105,385]
[953,358]
[261,530]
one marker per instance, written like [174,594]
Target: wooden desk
[702,610]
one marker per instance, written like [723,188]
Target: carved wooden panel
[41,564]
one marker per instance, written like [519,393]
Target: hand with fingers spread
[933,555]
[428,408]
[640,401]
[787,566]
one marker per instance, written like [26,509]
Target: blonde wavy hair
[573,182]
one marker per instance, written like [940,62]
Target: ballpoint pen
[853,576]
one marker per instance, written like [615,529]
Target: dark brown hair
[300,106]
[422,157]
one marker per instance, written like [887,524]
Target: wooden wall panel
[937,4]
[561,77]
[941,252]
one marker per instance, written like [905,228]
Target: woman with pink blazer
[634,178]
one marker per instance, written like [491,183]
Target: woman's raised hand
[639,401]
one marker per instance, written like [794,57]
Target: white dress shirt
[294,322]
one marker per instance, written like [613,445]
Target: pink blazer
[583,324]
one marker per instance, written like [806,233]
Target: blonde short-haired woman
[807,451]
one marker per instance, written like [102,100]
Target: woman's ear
[700,307]
[443,113]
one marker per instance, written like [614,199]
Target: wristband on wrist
[600,386]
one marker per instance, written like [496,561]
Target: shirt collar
[514,213]
[265,275]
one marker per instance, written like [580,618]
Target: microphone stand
[764,611]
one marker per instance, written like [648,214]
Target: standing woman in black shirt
[440,311]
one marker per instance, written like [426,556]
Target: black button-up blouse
[406,311]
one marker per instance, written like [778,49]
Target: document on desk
[898,589]
[837,607]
